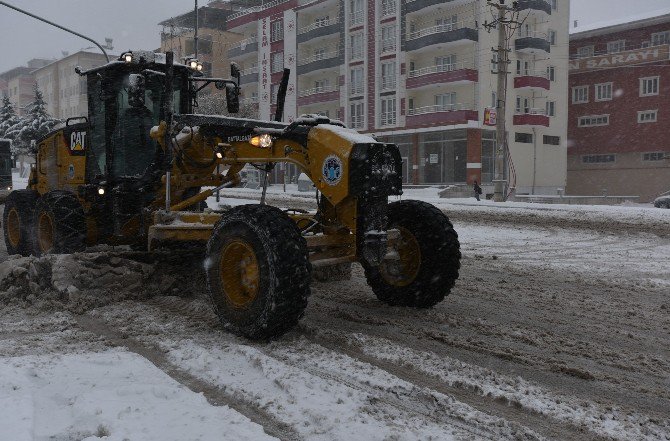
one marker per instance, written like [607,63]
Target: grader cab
[139,169]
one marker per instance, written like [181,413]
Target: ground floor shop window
[443,157]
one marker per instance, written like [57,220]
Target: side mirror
[235,71]
[232,98]
[136,90]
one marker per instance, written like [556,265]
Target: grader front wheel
[422,265]
[258,271]
[18,222]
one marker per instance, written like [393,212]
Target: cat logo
[78,142]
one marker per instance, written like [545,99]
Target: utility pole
[195,33]
[507,23]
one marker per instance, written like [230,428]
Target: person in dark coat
[477,189]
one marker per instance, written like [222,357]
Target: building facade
[421,74]
[63,89]
[620,110]
[18,84]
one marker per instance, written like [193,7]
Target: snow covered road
[553,331]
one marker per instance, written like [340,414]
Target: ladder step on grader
[138,170]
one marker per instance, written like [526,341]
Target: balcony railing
[440,68]
[533,73]
[533,34]
[357,122]
[531,111]
[243,43]
[321,56]
[389,8]
[318,24]
[249,71]
[356,89]
[447,27]
[317,90]
[439,108]
[265,6]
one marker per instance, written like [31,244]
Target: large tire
[258,271]
[17,221]
[428,257]
[60,224]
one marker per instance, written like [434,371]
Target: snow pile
[83,281]
[113,395]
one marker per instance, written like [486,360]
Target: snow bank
[114,395]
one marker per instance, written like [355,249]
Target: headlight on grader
[263,141]
[128,57]
[101,191]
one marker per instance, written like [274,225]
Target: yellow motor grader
[138,170]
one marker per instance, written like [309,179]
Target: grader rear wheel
[258,271]
[18,222]
[424,261]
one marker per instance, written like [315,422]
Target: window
[585,51]
[321,85]
[356,118]
[445,63]
[551,73]
[653,156]
[388,38]
[356,46]
[598,159]
[551,140]
[388,115]
[551,108]
[357,12]
[660,38]
[388,7]
[357,81]
[447,23]
[526,138]
[274,88]
[604,92]
[322,21]
[614,47]
[552,37]
[522,105]
[277,30]
[554,4]
[580,94]
[649,86]
[647,116]
[388,75]
[319,53]
[593,121]
[410,105]
[445,101]
[277,62]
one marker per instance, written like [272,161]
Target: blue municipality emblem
[332,170]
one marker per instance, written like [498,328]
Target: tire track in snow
[214,395]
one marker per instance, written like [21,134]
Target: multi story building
[63,89]
[418,73]
[18,83]
[214,41]
[619,109]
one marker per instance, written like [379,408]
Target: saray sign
[638,56]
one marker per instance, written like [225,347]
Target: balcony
[441,115]
[535,5]
[319,29]
[327,60]
[244,47]
[458,73]
[318,95]
[249,75]
[532,42]
[417,5]
[532,117]
[356,18]
[442,34]
[250,14]
[529,79]
[357,122]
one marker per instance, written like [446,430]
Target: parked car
[662,201]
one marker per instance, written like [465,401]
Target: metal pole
[503,62]
[167,113]
[56,25]
[195,36]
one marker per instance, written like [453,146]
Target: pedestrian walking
[478,190]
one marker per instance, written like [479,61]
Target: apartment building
[419,73]
[620,109]
[63,89]
[177,35]
[18,84]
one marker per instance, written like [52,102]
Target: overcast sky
[133,24]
